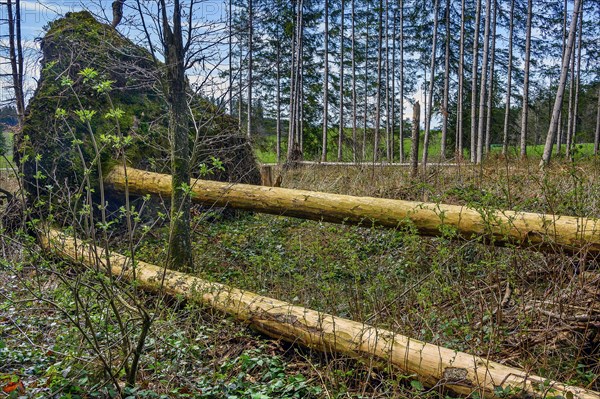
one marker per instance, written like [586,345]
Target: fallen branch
[435,365]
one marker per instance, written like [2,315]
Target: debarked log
[535,230]
[434,365]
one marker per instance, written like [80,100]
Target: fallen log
[434,365]
[538,231]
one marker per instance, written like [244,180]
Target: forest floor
[539,312]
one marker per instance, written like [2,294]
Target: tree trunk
[459,106]
[325,83]
[180,244]
[250,66]
[354,99]
[378,110]
[388,140]
[445,113]
[597,135]
[15,48]
[341,116]
[525,107]
[538,231]
[230,55]
[577,83]
[401,62]
[559,138]
[278,100]
[508,79]
[488,129]
[365,119]
[414,148]
[568,149]
[434,365]
[474,84]
[483,87]
[429,112]
[561,87]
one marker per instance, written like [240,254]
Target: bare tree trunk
[525,107]
[278,100]
[559,138]
[577,83]
[445,112]
[341,116]
[459,106]
[378,110]
[429,112]
[482,87]
[180,243]
[488,130]
[474,84]
[414,148]
[393,92]
[364,143]
[354,138]
[597,135]
[230,42]
[401,61]
[561,87]
[15,48]
[508,79]
[241,87]
[388,144]
[568,149]
[250,66]
[325,84]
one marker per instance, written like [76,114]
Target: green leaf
[417,385]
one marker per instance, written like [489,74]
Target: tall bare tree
[17,62]
[459,103]
[525,106]
[379,67]
[341,114]
[250,65]
[474,83]
[354,99]
[483,87]
[561,86]
[511,29]
[445,113]
[428,113]
[325,83]
[490,95]
[401,77]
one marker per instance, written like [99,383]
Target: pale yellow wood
[434,365]
[539,231]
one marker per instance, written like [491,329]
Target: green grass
[265,149]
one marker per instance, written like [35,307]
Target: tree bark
[414,147]
[429,112]
[488,129]
[508,79]
[341,115]
[354,99]
[180,244]
[459,106]
[597,135]
[325,83]
[525,107]
[570,117]
[544,232]
[15,48]
[401,94]
[434,365]
[577,83]
[482,87]
[561,87]
[474,68]
[278,100]
[445,113]
[378,110]
[250,65]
